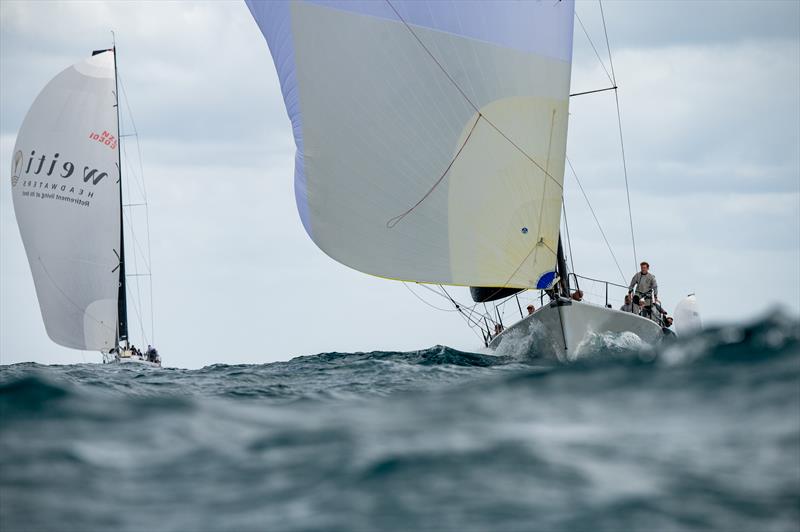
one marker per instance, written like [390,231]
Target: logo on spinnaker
[16,168]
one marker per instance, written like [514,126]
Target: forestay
[430,136]
[64,179]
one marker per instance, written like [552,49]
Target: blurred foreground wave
[703,433]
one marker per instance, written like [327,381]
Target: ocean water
[703,434]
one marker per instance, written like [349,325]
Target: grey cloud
[655,23]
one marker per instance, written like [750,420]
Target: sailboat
[431,145]
[66,183]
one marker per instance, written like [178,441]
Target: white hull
[561,328]
[129,359]
[135,361]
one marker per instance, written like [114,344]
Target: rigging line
[135,133]
[569,240]
[625,172]
[429,304]
[464,95]
[596,53]
[594,215]
[428,288]
[129,220]
[146,207]
[150,261]
[131,171]
[471,321]
[471,328]
[608,47]
[137,256]
[138,299]
[394,221]
[468,320]
[470,309]
[621,142]
[138,313]
[592,92]
[136,242]
[456,304]
[471,324]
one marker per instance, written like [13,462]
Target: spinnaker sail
[431,136]
[65,189]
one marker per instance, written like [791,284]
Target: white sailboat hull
[127,357]
[136,361]
[563,328]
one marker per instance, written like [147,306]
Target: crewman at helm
[645,286]
[644,281]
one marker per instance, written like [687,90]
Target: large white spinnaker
[64,182]
[430,136]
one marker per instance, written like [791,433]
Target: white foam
[522,343]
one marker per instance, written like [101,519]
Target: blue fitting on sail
[546,280]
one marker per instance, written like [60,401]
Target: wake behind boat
[66,183]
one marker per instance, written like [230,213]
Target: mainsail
[430,136]
[65,188]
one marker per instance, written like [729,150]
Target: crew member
[531,309]
[644,281]
[577,295]
[628,306]
[666,328]
[646,288]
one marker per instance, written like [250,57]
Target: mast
[122,304]
[561,265]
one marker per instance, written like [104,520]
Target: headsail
[64,178]
[430,136]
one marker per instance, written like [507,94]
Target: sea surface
[702,434]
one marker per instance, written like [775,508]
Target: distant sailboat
[66,184]
[431,145]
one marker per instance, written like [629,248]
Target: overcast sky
[710,99]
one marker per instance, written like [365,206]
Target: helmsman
[643,282]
